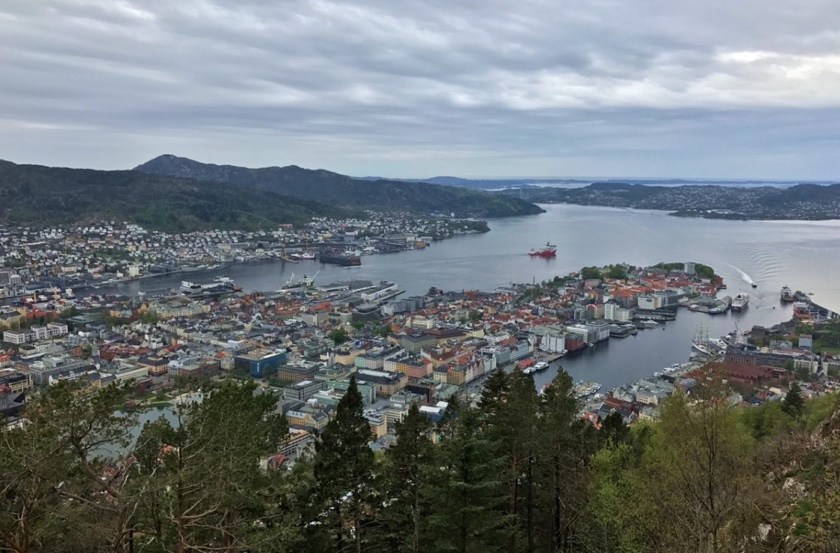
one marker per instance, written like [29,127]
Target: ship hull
[342,260]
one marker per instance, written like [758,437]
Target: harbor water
[804,255]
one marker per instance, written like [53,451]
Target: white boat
[540,366]
[583,390]
[740,302]
[786,294]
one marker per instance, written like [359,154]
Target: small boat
[540,366]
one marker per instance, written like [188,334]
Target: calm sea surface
[802,255]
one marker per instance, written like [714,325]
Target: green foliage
[518,472]
[341,190]
[148,317]
[590,273]
[704,271]
[34,193]
[794,403]
[72,311]
[339,336]
[343,472]
[467,493]
[617,271]
[767,421]
[408,474]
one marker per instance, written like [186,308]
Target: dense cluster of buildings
[52,259]
[308,341]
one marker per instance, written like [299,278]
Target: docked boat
[582,390]
[707,346]
[787,294]
[740,302]
[292,284]
[549,250]
[341,259]
[220,285]
[540,366]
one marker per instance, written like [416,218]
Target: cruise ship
[220,285]
[740,302]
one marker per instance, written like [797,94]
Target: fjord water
[804,255]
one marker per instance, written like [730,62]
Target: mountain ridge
[342,190]
[36,193]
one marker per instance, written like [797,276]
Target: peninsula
[799,202]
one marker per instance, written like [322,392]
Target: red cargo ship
[549,250]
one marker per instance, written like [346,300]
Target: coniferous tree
[793,403]
[33,463]
[494,393]
[231,430]
[89,427]
[343,472]
[613,430]
[510,422]
[468,505]
[408,471]
[561,466]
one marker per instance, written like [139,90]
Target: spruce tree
[229,433]
[344,470]
[468,506]
[560,466]
[408,470]
[495,392]
[510,422]
[793,403]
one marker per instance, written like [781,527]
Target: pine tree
[344,469]
[87,424]
[231,430]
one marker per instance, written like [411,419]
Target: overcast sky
[694,88]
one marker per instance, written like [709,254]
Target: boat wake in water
[744,276]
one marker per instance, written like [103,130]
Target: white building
[553,343]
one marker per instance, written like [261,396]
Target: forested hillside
[519,472]
[341,190]
[34,194]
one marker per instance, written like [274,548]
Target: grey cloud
[417,87]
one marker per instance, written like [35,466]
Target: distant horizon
[688,179]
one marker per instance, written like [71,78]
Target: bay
[804,255]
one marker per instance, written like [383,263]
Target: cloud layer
[417,88]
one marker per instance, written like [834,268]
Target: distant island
[799,202]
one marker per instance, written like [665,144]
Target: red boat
[549,250]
